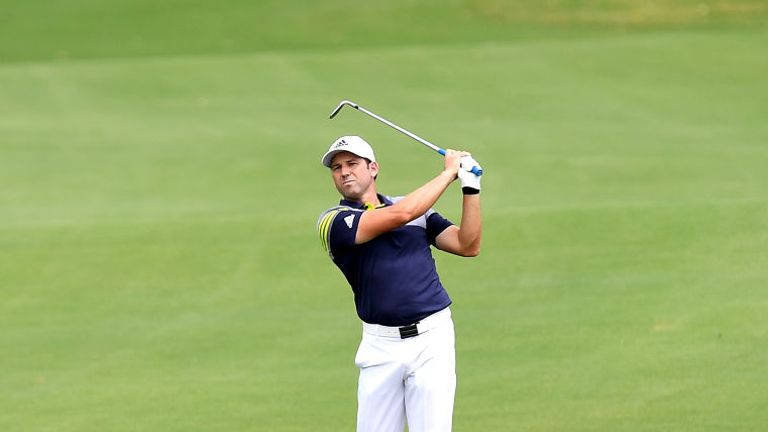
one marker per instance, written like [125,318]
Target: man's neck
[369,198]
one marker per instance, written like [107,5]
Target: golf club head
[341,105]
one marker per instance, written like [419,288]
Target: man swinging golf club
[382,246]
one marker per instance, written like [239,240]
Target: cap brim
[329,157]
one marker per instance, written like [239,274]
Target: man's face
[353,175]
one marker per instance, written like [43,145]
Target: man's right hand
[452,161]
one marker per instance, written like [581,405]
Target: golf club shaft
[475,170]
[399,129]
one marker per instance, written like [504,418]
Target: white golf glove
[470,183]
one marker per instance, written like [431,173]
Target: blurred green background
[160,182]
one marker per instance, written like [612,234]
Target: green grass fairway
[160,181]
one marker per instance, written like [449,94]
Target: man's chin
[353,197]
[350,193]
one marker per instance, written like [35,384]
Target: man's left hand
[470,183]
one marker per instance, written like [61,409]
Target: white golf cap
[350,143]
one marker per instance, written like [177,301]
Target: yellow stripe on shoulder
[324,223]
[324,228]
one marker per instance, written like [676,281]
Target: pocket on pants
[359,354]
[371,352]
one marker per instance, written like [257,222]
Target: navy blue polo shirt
[393,277]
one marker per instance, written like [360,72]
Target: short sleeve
[436,224]
[337,228]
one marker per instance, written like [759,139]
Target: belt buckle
[409,331]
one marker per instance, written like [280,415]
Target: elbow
[471,252]
[468,247]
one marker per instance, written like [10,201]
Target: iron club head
[341,105]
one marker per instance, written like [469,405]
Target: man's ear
[374,168]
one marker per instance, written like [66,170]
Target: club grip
[475,170]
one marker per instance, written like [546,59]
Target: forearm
[422,199]
[471,229]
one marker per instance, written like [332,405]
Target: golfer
[382,246]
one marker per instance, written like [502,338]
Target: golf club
[475,170]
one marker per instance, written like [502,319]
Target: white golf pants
[411,379]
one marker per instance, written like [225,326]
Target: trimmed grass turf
[160,270]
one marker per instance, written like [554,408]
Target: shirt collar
[384,200]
